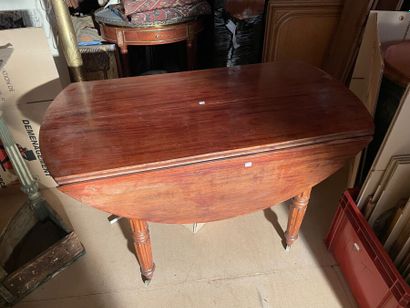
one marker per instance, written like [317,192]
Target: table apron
[218,189]
[149,36]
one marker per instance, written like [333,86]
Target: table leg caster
[147,274]
[147,282]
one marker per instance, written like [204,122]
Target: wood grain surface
[115,127]
[216,190]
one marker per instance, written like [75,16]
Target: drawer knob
[356,247]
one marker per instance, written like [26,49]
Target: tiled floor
[237,263]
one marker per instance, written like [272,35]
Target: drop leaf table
[201,146]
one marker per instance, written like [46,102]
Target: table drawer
[151,36]
[369,271]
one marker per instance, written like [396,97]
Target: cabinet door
[300,30]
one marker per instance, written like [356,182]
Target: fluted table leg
[142,244]
[296,214]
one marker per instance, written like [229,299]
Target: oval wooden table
[201,146]
[157,35]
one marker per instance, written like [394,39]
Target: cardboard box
[30,74]
[24,124]
[29,81]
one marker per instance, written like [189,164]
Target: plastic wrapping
[236,41]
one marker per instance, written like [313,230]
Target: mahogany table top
[112,127]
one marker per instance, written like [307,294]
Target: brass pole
[68,40]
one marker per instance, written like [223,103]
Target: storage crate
[368,269]
[34,250]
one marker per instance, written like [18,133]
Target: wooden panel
[16,229]
[216,190]
[112,127]
[346,41]
[368,70]
[300,30]
[45,266]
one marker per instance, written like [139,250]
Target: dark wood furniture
[346,40]
[158,35]
[202,146]
[300,30]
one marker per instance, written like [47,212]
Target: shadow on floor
[321,209]
[127,232]
[271,216]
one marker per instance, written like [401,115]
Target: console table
[201,146]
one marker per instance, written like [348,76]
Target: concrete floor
[237,262]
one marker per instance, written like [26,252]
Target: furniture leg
[124,61]
[297,211]
[118,62]
[191,48]
[142,244]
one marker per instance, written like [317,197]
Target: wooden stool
[158,35]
